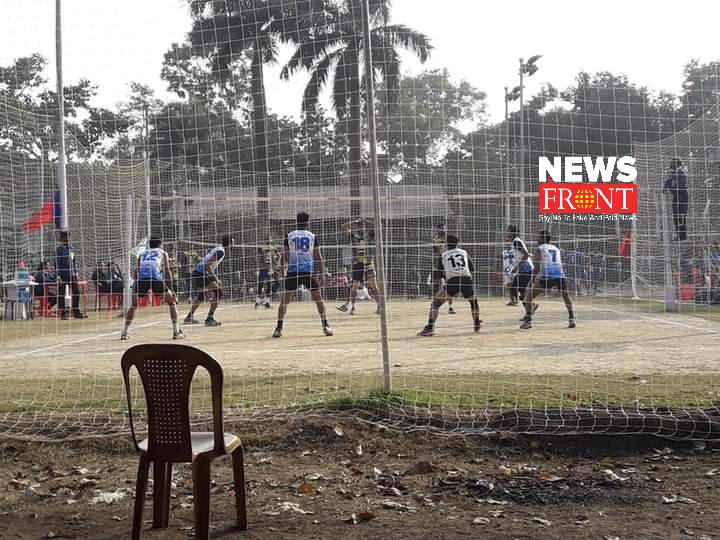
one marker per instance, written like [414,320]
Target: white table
[17,296]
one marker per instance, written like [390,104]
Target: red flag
[39,219]
[624,247]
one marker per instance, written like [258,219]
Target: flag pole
[62,180]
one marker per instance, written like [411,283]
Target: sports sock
[324,322]
[280,324]
[175,327]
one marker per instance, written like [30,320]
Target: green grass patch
[105,395]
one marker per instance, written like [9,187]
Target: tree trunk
[354,126]
[259,150]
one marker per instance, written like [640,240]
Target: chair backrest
[166,372]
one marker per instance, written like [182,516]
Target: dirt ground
[331,478]
[609,338]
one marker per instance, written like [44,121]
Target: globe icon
[584,199]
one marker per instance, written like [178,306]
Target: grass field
[627,353]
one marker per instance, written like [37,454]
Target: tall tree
[336,41]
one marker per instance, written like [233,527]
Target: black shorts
[200,281]
[143,286]
[361,271]
[553,283]
[263,275]
[521,282]
[294,280]
[460,285]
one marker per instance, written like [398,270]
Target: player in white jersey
[550,275]
[153,267]
[302,256]
[206,284]
[522,270]
[456,268]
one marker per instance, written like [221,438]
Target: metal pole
[146,162]
[42,196]
[667,248]
[375,180]
[127,296]
[62,180]
[506,171]
[521,188]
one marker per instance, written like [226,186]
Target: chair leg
[239,479]
[162,476]
[140,489]
[201,495]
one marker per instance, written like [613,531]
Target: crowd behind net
[218,161]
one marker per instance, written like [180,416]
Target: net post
[375,181]
[62,180]
[146,166]
[127,297]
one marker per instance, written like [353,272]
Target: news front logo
[582,185]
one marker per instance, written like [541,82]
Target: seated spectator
[45,277]
[102,277]
[117,284]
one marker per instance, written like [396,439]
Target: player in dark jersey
[439,241]
[268,258]
[362,234]
[153,275]
[456,268]
[523,269]
[305,267]
[206,284]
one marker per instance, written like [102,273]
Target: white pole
[146,163]
[375,180]
[127,298]
[62,180]
[42,196]
[521,188]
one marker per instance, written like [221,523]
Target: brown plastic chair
[166,372]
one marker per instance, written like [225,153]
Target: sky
[113,43]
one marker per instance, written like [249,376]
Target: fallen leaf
[496,513]
[338,431]
[507,471]
[362,517]
[549,477]
[108,497]
[392,505]
[481,521]
[712,472]
[610,476]
[542,521]
[359,450]
[672,499]
[687,531]
[293,507]
[307,488]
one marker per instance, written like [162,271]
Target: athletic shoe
[124,336]
[428,331]
[80,316]
[377,311]
[526,325]
[267,305]
[212,322]
[277,333]
[327,331]
[342,308]
[178,335]
[571,323]
[64,318]
[190,320]
[352,310]
[451,311]
[256,305]
[477,325]
[512,303]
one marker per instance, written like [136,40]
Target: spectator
[67,277]
[45,277]
[677,185]
[102,278]
[117,280]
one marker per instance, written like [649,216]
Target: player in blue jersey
[550,275]
[153,274]
[206,284]
[305,266]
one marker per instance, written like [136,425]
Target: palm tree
[228,30]
[333,38]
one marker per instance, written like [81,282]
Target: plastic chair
[166,372]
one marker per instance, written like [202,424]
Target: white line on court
[655,319]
